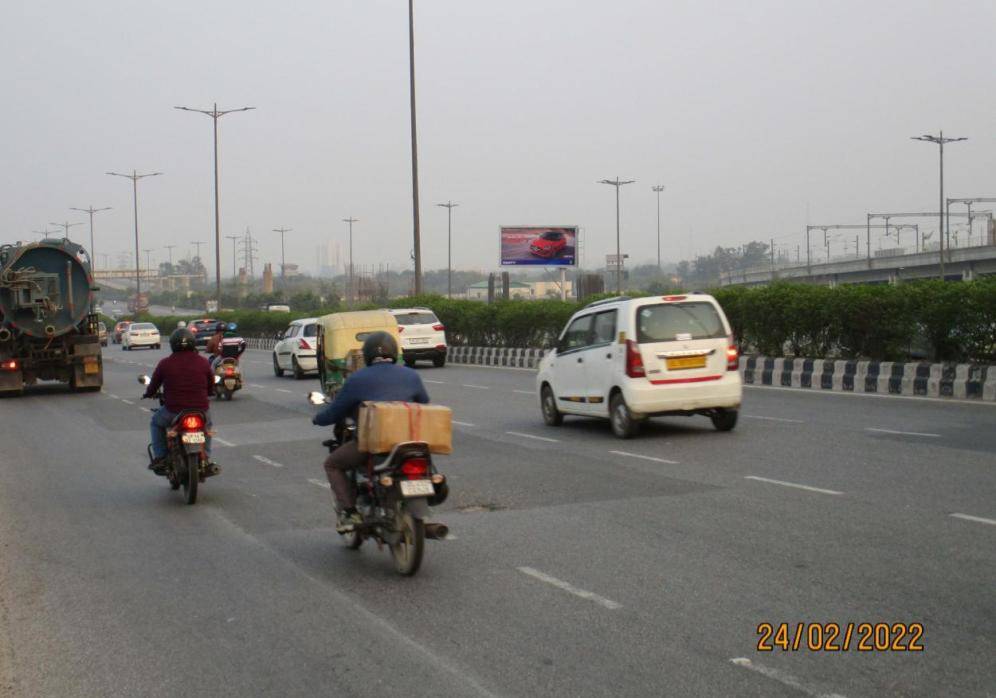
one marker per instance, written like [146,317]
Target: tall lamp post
[449,206]
[215,114]
[940,140]
[66,226]
[617,183]
[352,287]
[134,177]
[235,242]
[417,252]
[283,263]
[91,210]
[658,188]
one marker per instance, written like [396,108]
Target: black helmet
[182,339]
[220,327]
[380,345]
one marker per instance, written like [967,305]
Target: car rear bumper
[307,361]
[423,352]
[643,397]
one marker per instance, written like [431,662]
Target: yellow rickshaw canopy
[343,332]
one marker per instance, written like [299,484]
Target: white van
[628,359]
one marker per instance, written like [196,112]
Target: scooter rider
[381,380]
[186,380]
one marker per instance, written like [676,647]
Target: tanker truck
[48,330]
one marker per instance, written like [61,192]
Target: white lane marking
[255,385]
[901,433]
[103,391]
[264,459]
[426,380]
[477,387]
[791,484]
[127,402]
[223,442]
[883,396]
[637,455]
[570,588]
[531,436]
[976,519]
[783,678]
[525,392]
[463,424]
[145,409]
[774,419]
[313,481]
[112,395]
[283,390]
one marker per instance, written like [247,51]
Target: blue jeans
[161,419]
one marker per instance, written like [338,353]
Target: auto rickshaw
[340,343]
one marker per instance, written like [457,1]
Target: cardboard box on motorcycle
[382,425]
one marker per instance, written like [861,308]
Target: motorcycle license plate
[193,437]
[230,383]
[686,362]
[417,488]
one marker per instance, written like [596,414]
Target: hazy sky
[748,112]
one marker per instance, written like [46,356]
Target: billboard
[546,246]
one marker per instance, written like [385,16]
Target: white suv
[627,359]
[422,335]
[296,347]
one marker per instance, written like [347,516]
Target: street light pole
[134,177]
[170,248]
[940,140]
[91,210]
[352,286]
[234,239]
[449,206]
[617,183]
[66,226]
[148,261]
[658,188]
[283,263]
[215,115]
[417,252]
[197,244]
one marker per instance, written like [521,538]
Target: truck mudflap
[88,373]
[11,381]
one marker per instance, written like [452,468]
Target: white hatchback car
[628,359]
[140,334]
[296,348]
[423,336]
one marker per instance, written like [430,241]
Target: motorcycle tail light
[634,360]
[192,422]
[414,468]
[229,371]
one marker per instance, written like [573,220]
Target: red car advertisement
[538,245]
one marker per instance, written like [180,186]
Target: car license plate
[89,368]
[419,340]
[417,488]
[193,437]
[686,362]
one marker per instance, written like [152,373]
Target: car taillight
[415,468]
[9,365]
[401,328]
[303,344]
[634,361]
[674,298]
[732,356]
[192,422]
[439,328]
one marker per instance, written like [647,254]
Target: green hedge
[942,321]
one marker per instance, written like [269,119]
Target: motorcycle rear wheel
[193,462]
[407,552]
[353,540]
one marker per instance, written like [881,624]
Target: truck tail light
[9,365]
[634,360]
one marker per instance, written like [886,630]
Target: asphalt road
[581,565]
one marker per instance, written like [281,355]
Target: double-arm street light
[91,210]
[658,188]
[215,114]
[352,287]
[940,140]
[283,262]
[134,177]
[449,206]
[65,227]
[617,183]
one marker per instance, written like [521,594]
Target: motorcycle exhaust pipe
[5,334]
[436,531]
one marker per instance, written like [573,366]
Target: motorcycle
[394,493]
[227,373]
[187,463]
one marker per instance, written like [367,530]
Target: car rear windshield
[416,318]
[668,322]
[143,326]
[311,330]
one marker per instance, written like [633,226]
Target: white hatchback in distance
[140,334]
[423,336]
[628,359]
[295,351]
